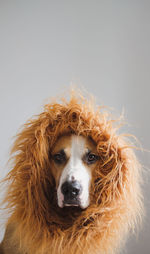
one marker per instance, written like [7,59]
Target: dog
[74,158]
[74,186]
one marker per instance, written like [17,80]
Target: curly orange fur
[116,200]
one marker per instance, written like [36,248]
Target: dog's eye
[91,158]
[59,157]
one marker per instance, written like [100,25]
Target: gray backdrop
[101,45]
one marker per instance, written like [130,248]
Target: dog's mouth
[74,211]
[72,202]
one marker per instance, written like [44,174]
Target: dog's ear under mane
[115,206]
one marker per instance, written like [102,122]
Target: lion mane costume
[36,223]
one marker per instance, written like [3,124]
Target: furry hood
[115,195]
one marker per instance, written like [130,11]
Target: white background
[101,45]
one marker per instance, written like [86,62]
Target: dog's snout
[71,190]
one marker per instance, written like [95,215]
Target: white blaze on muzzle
[75,177]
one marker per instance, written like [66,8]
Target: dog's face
[73,160]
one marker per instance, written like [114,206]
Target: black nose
[71,190]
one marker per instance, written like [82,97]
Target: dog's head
[72,171]
[73,161]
